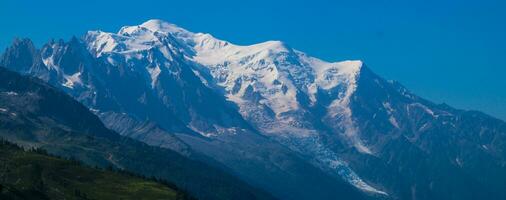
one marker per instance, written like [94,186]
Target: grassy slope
[32,175]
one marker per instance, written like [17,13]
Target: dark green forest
[33,174]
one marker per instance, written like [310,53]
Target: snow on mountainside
[275,116]
[265,80]
[269,75]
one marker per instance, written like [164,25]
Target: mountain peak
[21,55]
[163,26]
[154,82]
[274,45]
[23,42]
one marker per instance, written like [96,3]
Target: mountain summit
[294,125]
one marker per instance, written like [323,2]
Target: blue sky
[451,51]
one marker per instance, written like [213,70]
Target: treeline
[38,188]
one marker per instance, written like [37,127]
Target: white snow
[424,126]
[259,65]
[330,161]
[93,110]
[203,133]
[393,121]
[265,66]
[11,93]
[424,108]
[154,73]
[353,178]
[251,65]
[101,42]
[49,62]
[347,74]
[390,111]
[259,78]
[458,161]
[72,80]
[264,80]
[163,26]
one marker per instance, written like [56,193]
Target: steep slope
[146,131]
[274,116]
[35,175]
[35,114]
[269,99]
[159,60]
[434,151]
[178,107]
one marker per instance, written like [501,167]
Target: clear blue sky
[451,51]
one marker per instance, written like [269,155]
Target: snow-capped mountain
[277,117]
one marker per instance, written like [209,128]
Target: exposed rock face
[273,115]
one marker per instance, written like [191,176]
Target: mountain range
[36,115]
[274,117]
